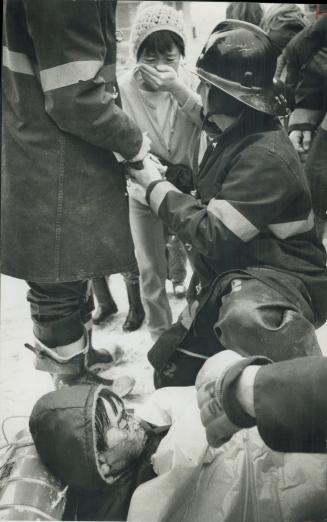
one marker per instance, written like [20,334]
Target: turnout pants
[60,311]
[239,313]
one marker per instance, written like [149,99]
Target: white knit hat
[152,17]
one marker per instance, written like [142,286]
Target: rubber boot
[100,360]
[136,314]
[79,362]
[106,304]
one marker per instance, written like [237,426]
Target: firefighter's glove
[301,140]
[222,412]
[150,173]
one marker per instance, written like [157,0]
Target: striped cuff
[157,191]
[227,391]
[150,188]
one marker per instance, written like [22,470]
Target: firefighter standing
[64,211]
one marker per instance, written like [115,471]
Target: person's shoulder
[272,147]
[298,43]
[276,142]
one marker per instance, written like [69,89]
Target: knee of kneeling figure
[237,327]
[299,336]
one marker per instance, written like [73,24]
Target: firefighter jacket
[253,212]
[63,195]
[290,402]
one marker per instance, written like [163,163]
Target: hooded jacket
[64,210]
[62,425]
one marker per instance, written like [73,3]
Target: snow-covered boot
[80,363]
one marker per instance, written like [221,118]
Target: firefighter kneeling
[260,282]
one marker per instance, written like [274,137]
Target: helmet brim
[262,100]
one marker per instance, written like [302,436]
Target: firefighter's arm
[79,87]
[287,400]
[290,402]
[309,101]
[256,190]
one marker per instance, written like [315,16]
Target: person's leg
[136,314]
[177,259]
[56,313]
[62,325]
[150,249]
[106,303]
[255,319]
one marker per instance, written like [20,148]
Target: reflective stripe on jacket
[255,209]
[63,196]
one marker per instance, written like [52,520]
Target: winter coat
[290,401]
[62,425]
[300,50]
[306,79]
[254,212]
[64,210]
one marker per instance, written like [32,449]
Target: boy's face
[125,440]
[171,58]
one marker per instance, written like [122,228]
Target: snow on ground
[21,385]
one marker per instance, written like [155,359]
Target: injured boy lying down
[155,464]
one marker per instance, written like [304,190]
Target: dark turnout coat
[64,210]
[253,212]
[290,400]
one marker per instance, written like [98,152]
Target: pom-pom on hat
[152,17]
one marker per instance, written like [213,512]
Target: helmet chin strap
[210,126]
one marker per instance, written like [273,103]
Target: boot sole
[45,364]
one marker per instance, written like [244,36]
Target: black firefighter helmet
[240,59]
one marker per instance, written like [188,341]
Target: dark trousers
[60,310]
[250,318]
